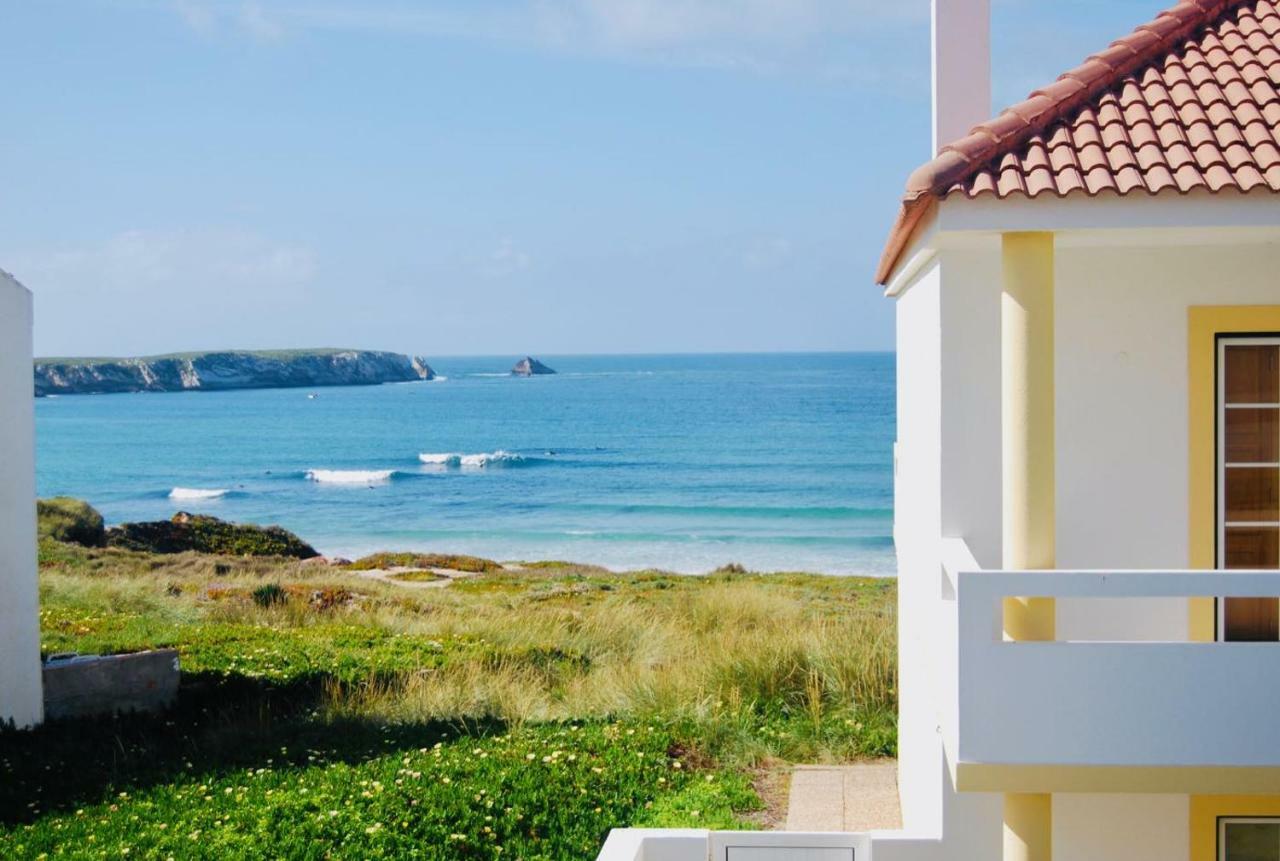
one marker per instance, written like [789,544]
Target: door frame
[1204,324]
[1221,341]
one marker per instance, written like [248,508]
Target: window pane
[1252,548]
[1253,436]
[1251,841]
[1253,494]
[1252,374]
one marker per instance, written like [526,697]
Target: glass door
[1249,478]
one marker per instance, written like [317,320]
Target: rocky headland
[530,367]
[254,369]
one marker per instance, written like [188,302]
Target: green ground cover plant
[512,714]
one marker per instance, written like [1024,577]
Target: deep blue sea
[776,462]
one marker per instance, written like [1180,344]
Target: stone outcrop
[530,367]
[228,370]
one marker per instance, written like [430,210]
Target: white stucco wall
[21,699]
[943,487]
[1122,444]
[917,515]
[1121,827]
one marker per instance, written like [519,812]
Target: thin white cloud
[768,253]
[196,15]
[138,261]
[257,23]
[749,33]
[505,260]
[158,290]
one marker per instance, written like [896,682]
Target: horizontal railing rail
[1111,702]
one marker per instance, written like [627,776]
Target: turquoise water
[682,462]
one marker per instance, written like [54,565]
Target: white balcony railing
[1071,703]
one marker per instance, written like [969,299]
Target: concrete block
[88,685]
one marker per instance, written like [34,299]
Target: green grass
[418,577]
[546,792]
[306,717]
[452,561]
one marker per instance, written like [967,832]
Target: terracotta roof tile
[1190,100]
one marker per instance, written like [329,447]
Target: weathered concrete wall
[95,685]
[20,696]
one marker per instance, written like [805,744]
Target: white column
[21,694]
[961,68]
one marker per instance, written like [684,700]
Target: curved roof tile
[1189,100]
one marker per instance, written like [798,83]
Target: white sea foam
[494,458]
[471,461]
[440,459]
[197,493]
[350,476]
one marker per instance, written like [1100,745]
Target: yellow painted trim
[1204,323]
[1027,404]
[1183,780]
[1205,810]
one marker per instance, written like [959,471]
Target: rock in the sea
[266,369]
[420,366]
[530,367]
[73,521]
[203,534]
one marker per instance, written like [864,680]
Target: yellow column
[1027,427]
[1028,827]
[1026,415]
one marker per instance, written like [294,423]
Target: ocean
[772,461]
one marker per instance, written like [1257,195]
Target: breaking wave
[192,493]
[473,461]
[350,476]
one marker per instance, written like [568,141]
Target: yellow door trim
[1204,324]
[1205,810]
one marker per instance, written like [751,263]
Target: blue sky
[476,176]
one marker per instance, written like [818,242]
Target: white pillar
[961,68]
[21,694]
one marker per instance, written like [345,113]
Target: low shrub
[69,520]
[204,534]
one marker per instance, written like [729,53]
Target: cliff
[229,370]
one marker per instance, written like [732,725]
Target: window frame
[1224,821]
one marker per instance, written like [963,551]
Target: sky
[461,177]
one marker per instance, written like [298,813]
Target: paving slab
[860,797]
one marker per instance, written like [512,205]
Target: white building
[21,699]
[1088,461]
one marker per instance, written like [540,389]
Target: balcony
[1172,716]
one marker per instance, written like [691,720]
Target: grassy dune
[511,714]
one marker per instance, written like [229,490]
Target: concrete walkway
[859,797]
